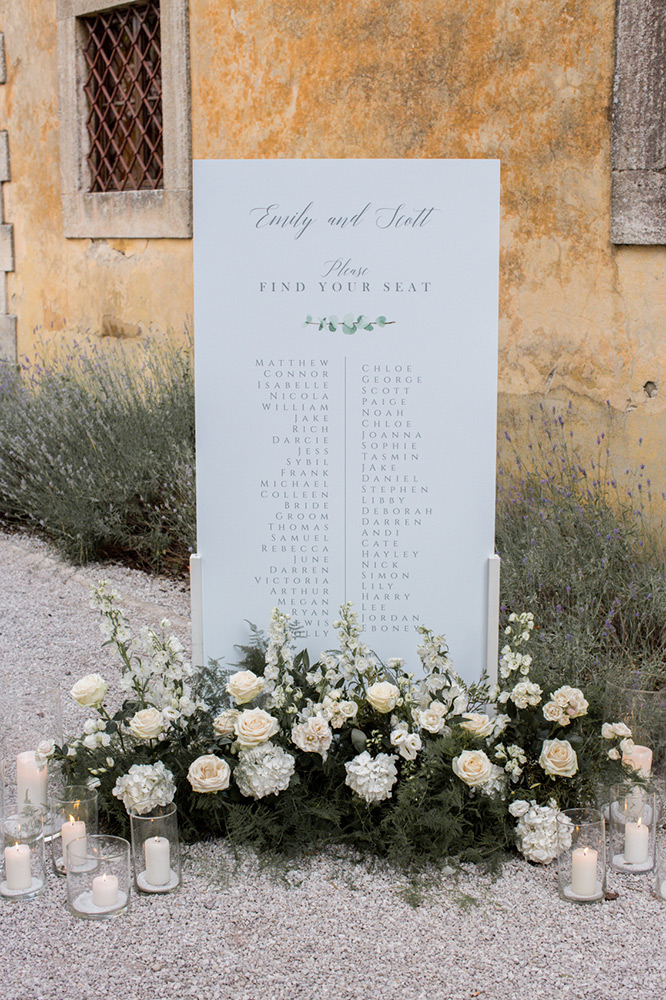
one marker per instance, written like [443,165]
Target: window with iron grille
[125,123]
[123,88]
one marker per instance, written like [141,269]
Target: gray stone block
[6,247]
[4,157]
[8,346]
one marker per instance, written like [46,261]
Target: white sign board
[346,382]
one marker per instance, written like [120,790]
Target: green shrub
[97,453]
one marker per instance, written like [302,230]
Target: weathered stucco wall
[123,287]
[530,83]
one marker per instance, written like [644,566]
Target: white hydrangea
[263,770]
[536,830]
[144,787]
[372,778]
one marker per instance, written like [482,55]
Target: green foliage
[578,549]
[97,453]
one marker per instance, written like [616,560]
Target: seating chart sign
[346,384]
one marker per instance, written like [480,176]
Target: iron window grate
[124,90]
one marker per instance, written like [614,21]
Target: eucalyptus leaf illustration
[349,324]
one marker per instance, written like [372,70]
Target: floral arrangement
[285,753]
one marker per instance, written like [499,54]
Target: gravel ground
[329,929]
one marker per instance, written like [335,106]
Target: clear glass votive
[155,849]
[581,863]
[74,813]
[633,828]
[98,877]
[23,871]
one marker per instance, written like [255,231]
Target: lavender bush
[97,452]
[579,550]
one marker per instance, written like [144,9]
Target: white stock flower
[244,686]
[90,690]
[263,770]
[255,726]
[209,773]
[146,724]
[225,723]
[144,787]
[372,778]
[558,758]
[477,723]
[383,696]
[313,736]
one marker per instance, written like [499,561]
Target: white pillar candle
[30,781]
[74,829]
[158,860]
[18,874]
[636,843]
[640,758]
[584,872]
[105,890]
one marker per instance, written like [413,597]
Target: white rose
[552,711]
[254,726]
[348,709]
[558,758]
[146,724]
[519,807]
[433,718]
[383,696]
[90,690]
[313,736]
[614,754]
[620,729]
[209,774]
[408,744]
[608,731]
[45,750]
[225,723]
[244,686]
[473,767]
[627,746]
[477,723]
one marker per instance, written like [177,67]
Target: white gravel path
[330,929]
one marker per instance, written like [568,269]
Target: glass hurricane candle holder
[24,872]
[74,812]
[155,849]
[581,863]
[633,828]
[98,877]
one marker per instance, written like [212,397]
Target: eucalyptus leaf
[359,739]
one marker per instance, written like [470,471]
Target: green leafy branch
[348,323]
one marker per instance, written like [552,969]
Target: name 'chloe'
[270,216]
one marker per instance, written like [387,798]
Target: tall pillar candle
[158,861]
[636,843]
[584,872]
[640,758]
[74,829]
[30,781]
[18,874]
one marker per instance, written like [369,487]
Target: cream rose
[433,718]
[244,686]
[558,758]
[477,723]
[90,690]
[473,767]
[254,726]
[383,696]
[552,712]
[209,774]
[146,724]
[225,723]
